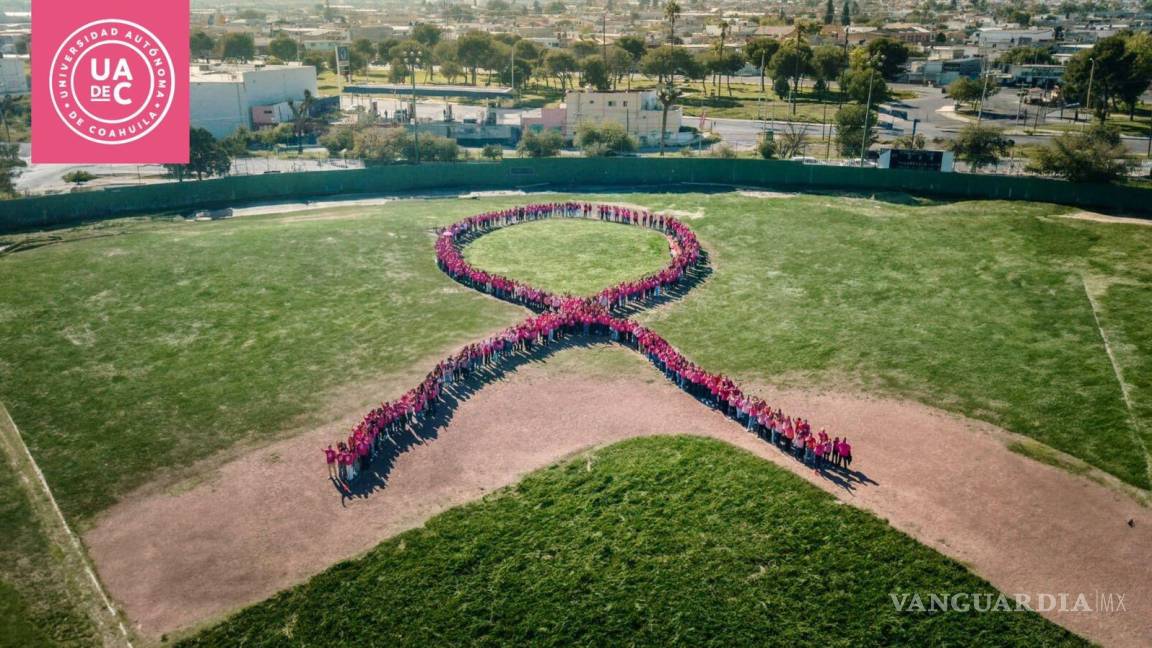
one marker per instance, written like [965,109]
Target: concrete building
[13,81]
[225,98]
[638,112]
[996,38]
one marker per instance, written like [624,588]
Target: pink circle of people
[562,317]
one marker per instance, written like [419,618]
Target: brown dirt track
[271,518]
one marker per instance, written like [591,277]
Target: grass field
[978,308]
[135,347]
[650,542]
[578,257]
[36,608]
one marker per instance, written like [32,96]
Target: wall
[560,173]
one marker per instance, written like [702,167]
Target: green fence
[65,209]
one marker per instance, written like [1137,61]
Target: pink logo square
[110,82]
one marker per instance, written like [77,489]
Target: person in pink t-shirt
[846,453]
[330,458]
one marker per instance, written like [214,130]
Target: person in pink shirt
[330,459]
[846,453]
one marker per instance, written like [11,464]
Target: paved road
[48,178]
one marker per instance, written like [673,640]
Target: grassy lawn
[152,345]
[580,257]
[674,541]
[134,348]
[977,308]
[36,608]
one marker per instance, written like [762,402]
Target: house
[223,97]
[639,112]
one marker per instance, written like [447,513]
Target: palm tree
[671,13]
[302,119]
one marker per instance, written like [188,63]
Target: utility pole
[867,113]
[604,38]
[412,60]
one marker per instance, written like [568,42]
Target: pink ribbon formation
[563,317]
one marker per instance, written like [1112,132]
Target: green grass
[158,344]
[975,307]
[136,348]
[36,607]
[580,257]
[672,541]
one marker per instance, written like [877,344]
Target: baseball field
[177,381]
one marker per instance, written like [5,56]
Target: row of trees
[585,62]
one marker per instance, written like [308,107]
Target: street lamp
[868,107]
[1088,102]
[412,59]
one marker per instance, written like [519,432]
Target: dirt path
[271,519]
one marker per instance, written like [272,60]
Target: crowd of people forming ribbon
[564,316]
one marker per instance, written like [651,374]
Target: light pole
[1088,102]
[868,109]
[412,60]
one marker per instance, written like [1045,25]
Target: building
[996,38]
[225,98]
[13,80]
[638,112]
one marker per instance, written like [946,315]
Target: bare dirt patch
[271,518]
[1104,218]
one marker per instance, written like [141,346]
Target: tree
[620,65]
[980,146]
[916,142]
[604,140]
[316,60]
[829,13]
[791,141]
[340,140]
[971,91]
[472,50]
[793,60]
[594,72]
[426,34]
[1094,156]
[671,13]
[766,147]
[828,62]
[9,162]
[634,45]
[846,14]
[206,157]
[562,65]
[759,51]
[665,63]
[781,86]
[856,82]
[238,47]
[78,177]
[492,152]
[1122,73]
[850,132]
[1027,55]
[283,48]
[539,145]
[895,54]
[202,45]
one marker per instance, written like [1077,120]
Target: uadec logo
[110,82]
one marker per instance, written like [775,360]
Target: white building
[223,97]
[638,112]
[996,38]
[13,81]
